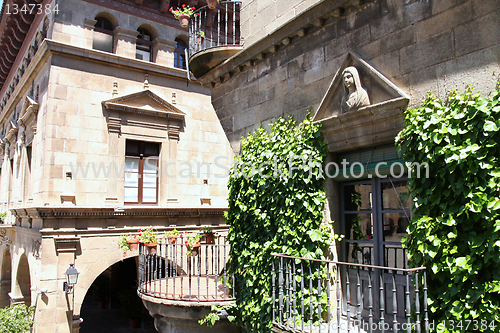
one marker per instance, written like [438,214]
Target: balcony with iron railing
[311,295]
[180,284]
[214,36]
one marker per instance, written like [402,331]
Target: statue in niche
[355,96]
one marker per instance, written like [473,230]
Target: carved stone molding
[65,244]
[4,239]
[144,109]
[365,126]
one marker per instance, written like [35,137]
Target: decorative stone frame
[368,126]
[143,111]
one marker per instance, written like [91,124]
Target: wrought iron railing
[217,27]
[175,273]
[311,295]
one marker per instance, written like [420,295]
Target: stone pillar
[112,182]
[5,175]
[124,42]
[163,51]
[88,33]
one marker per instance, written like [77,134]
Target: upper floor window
[143,45]
[103,35]
[179,54]
[141,176]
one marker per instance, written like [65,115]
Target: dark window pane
[358,197]
[395,195]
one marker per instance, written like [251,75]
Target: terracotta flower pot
[151,248]
[212,4]
[194,249]
[133,245]
[184,20]
[209,238]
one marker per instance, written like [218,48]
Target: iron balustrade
[171,273]
[209,28]
[310,295]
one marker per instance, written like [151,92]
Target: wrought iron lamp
[71,278]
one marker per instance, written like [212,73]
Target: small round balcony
[214,36]
[178,286]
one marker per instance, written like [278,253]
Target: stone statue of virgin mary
[355,96]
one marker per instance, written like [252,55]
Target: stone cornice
[105,212]
[295,29]
[138,110]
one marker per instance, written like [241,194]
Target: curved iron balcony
[214,36]
[173,273]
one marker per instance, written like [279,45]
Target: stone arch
[152,30]
[92,272]
[5,278]
[107,16]
[22,286]
[183,37]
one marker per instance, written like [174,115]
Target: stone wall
[261,17]
[434,45]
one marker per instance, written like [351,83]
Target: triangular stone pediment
[367,114]
[146,103]
[11,131]
[380,90]
[30,109]
[144,109]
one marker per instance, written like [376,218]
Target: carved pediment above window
[144,109]
[361,108]
[28,116]
[11,132]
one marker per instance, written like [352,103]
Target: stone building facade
[88,89]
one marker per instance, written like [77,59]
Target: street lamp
[71,278]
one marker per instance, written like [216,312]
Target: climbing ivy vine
[455,231]
[16,318]
[276,198]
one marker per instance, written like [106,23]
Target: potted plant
[212,3]
[100,290]
[183,14]
[129,242]
[149,238]
[192,242]
[200,36]
[172,236]
[209,235]
[3,216]
[131,306]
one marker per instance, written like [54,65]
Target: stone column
[114,128]
[163,51]
[124,41]
[88,33]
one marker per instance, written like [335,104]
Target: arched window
[103,35]
[179,55]
[143,45]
